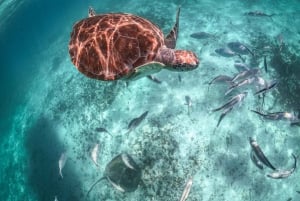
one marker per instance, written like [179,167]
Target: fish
[258,14]
[241,66]
[94,184]
[201,35]
[265,64]
[122,172]
[267,88]
[250,51]
[239,84]
[259,153]
[245,74]
[277,115]
[220,79]
[91,12]
[239,48]
[154,79]
[280,41]
[136,122]
[188,102]
[187,189]
[225,52]
[223,114]
[116,186]
[260,82]
[256,162]
[55,198]
[179,78]
[281,174]
[102,130]
[233,101]
[128,161]
[295,123]
[94,154]
[61,162]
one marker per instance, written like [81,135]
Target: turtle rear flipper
[170,40]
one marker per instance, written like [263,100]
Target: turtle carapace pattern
[125,46]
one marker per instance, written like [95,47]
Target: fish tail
[272,167]
[257,112]
[91,188]
[60,173]
[220,119]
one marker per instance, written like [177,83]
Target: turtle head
[178,60]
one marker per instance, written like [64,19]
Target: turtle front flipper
[170,40]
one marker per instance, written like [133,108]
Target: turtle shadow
[43,151]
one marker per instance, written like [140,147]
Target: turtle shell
[111,46]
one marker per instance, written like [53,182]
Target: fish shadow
[43,150]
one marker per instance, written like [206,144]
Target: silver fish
[241,66]
[118,187]
[278,115]
[223,114]
[136,122]
[201,35]
[127,161]
[61,162]
[225,52]
[239,48]
[179,78]
[269,86]
[255,160]
[233,101]
[154,79]
[260,154]
[265,64]
[295,123]
[260,82]
[239,84]
[281,174]
[245,74]
[187,189]
[280,41]
[188,102]
[258,14]
[94,154]
[102,130]
[55,198]
[220,79]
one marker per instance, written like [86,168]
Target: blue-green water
[48,107]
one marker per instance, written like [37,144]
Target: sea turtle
[125,46]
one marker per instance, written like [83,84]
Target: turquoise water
[48,107]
